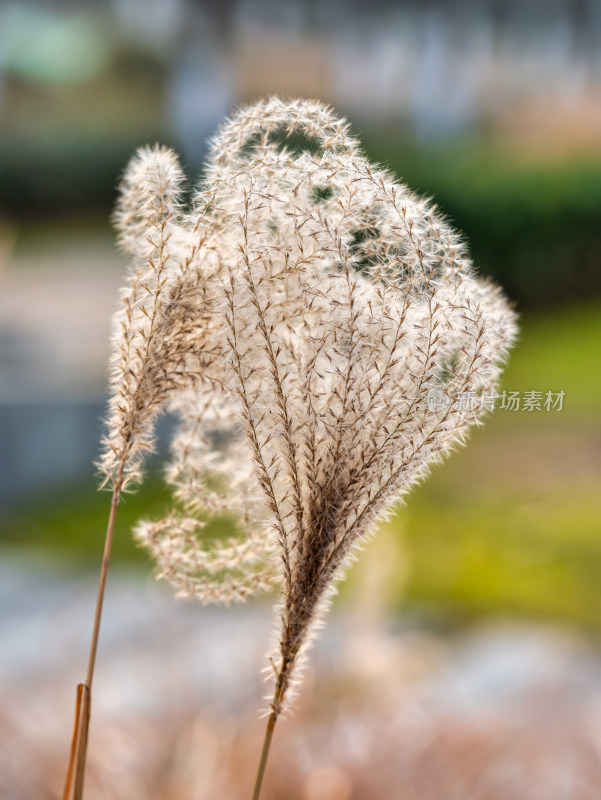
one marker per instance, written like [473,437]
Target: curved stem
[82,716]
[81,689]
[264,754]
[108,543]
[82,741]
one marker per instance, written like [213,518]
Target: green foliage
[57,177]
[534,228]
[507,554]
[70,523]
[321,193]
[558,351]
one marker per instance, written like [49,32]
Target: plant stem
[264,754]
[108,543]
[81,688]
[82,741]
[82,714]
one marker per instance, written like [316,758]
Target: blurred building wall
[443,67]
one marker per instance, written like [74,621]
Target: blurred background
[462,658]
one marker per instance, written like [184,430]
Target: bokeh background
[462,658]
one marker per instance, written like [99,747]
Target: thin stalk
[264,754]
[82,741]
[81,688]
[271,720]
[79,744]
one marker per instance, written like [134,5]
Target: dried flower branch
[298,320]
[145,219]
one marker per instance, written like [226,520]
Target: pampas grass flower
[299,318]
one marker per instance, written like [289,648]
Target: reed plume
[143,370]
[299,320]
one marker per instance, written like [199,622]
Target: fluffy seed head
[321,335]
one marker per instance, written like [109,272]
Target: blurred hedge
[534,229]
[51,177]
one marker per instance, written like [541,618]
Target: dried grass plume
[317,329]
